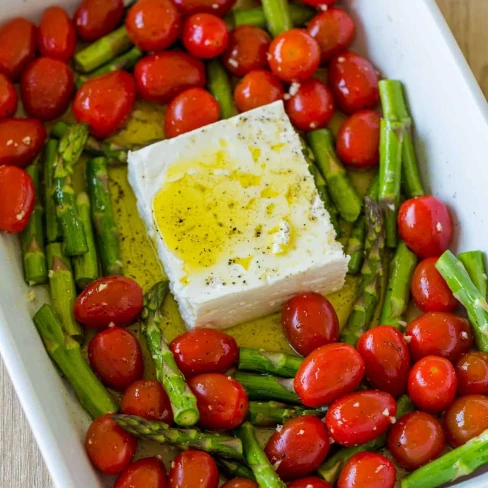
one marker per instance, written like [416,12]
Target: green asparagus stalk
[267,387]
[219,85]
[233,469]
[474,262]
[268,414]
[53,230]
[103,220]
[66,353]
[277,15]
[300,15]
[277,363]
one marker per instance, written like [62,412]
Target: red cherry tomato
[322,4]
[416,439]
[439,334]
[386,357]
[424,223]
[240,483]
[256,89]
[153,25]
[105,102]
[216,7]
[162,76]
[309,321]
[193,469]
[294,55]
[309,482]
[354,81]
[8,98]
[205,35]
[147,399]
[56,35]
[17,198]
[299,448]
[17,47]
[367,469]
[113,300]
[204,350]
[222,401]
[432,384]
[145,473]
[328,373]
[472,373]
[95,18]
[109,447]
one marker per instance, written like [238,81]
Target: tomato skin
[216,7]
[319,3]
[424,223]
[95,18]
[205,35]
[240,483]
[145,473]
[299,448]
[256,89]
[222,401]
[367,469]
[309,321]
[472,373]
[309,482]
[56,35]
[8,98]
[193,469]
[328,373]
[109,447]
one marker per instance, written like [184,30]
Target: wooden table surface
[21,464]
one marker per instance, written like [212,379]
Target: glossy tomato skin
[256,89]
[309,321]
[204,350]
[299,448]
[222,401]
[472,373]
[367,469]
[205,35]
[145,473]
[109,447]
[309,482]
[193,469]
[95,18]
[56,35]
[328,373]
[322,4]
[240,483]
[387,359]
[8,98]
[216,7]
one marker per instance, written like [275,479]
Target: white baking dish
[408,40]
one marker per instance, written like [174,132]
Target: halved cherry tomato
[115,300]
[17,47]
[322,4]
[216,7]
[205,35]
[95,18]
[105,102]
[294,55]
[8,98]
[309,482]
[309,321]
[193,469]
[472,373]
[56,35]
[424,223]
[386,357]
[432,384]
[299,448]
[222,401]
[328,373]
[46,88]
[190,110]
[109,447]
[204,350]
[147,399]
[145,473]
[416,439]
[367,469]
[240,483]
[354,81]
[153,25]
[256,89]
[439,334]
[162,76]
[17,198]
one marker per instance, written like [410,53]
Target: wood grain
[21,464]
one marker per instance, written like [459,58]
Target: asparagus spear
[277,15]
[66,353]
[219,85]
[474,262]
[268,414]
[266,388]
[262,361]
[233,469]
[300,15]
[53,230]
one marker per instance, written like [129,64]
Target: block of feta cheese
[235,217]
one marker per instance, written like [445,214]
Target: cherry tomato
[95,18]
[56,35]
[8,98]
[105,102]
[299,448]
[153,25]
[367,469]
[204,351]
[416,439]
[439,334]
[328,373]
[222,401]
[256,89]
[312,106]
[386,357]
[205,35]
[147,399]
[309,321]
[424,223]
[162,76]
[17,198]
[46,88]
[193,469]
[17,47]
[145,473]
[309,482]
[109,447]
[432,384]
[472,373]
[354,81]
[294,55]
[216,7]
[322,4]
[240,483]
[115,300]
